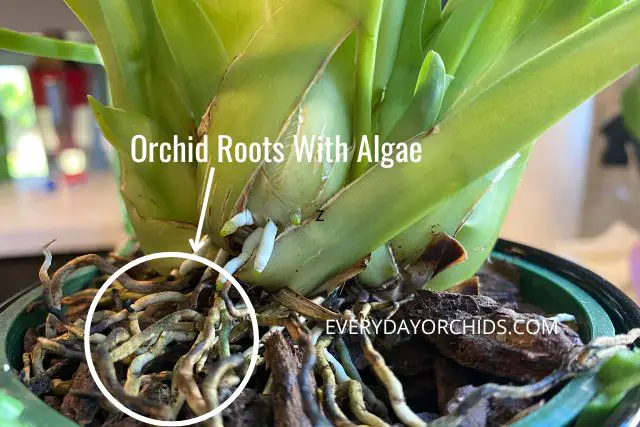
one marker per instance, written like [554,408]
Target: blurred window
[26,155]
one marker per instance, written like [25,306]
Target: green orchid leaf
[236,21]
[48,47]
[512,33]
[479,229]
[481,135]
[381,268]
[149,69]
[388,43]
[141,70]
[290,51]
[458,32]
[423,111]
[431,18]
[184,23]
[401,86]
[157,190]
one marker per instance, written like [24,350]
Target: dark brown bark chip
[287,401]
[499,281]
[489,338]
[54,402]
[157,392]
[81,410]
[449,377]
[249,409]
[411,357]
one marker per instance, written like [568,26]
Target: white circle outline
[142,418]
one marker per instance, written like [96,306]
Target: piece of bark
[287,401]
[503,410]
[249,409]
[522,357]
[157,392]
[54,402]
[449,377]
[81,410]
[500,281]
[411,357]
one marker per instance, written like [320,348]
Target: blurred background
[579,198]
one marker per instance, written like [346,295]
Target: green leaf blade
[185,24]
[47,47]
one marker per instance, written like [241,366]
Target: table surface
[83,217]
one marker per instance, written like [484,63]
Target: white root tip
[266,247]
[248,247]
[188,265]
[239,220]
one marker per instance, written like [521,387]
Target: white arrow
[197,243]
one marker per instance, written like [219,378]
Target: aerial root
[249,245]
[128,347]
[239,220]
[183,373]
[331,407]
[263,255]
[212,383]
[392,384]
[188,265]
[139,305]
[352,391]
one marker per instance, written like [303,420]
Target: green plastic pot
[540,285]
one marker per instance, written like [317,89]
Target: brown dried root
[332,409]
[301,334]
[59,349]
[130,346]
[142,286]
[352,390]
[392,384]
[52,297]
[212,382]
